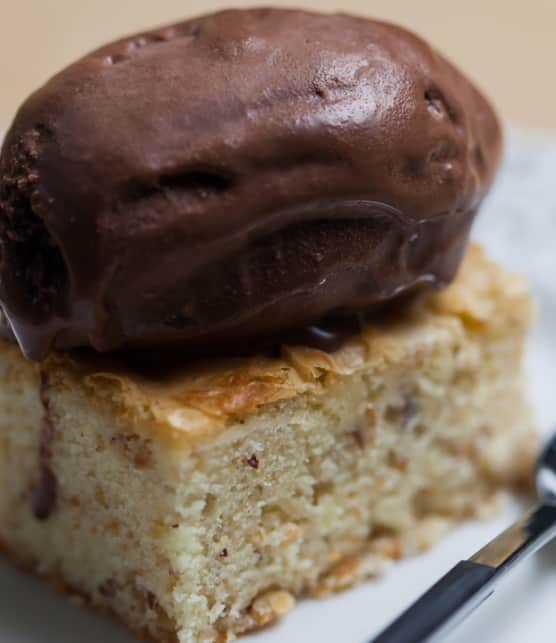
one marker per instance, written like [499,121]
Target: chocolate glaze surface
[236,177]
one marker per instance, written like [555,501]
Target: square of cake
[247,352]
[198,504]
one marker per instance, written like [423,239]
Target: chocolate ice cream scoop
[226,180]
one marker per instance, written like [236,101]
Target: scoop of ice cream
[230,178]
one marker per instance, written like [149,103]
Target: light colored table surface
[509,46]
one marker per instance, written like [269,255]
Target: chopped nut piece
[270,606]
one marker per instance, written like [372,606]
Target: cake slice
[197,504]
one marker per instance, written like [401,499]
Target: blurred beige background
[508,46]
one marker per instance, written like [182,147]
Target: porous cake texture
[195,504]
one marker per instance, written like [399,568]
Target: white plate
[518,225]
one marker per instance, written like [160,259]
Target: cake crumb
[107,588]
[359,438]
[342,575]
[135,448]
[152,601]
[370,415]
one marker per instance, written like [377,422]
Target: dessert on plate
[248,353]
